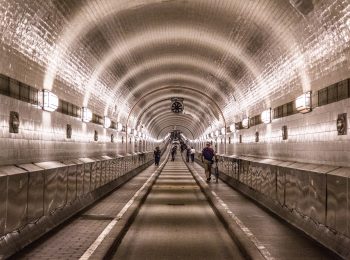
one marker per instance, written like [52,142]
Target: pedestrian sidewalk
[275,238]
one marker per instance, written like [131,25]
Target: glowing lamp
[266,116]
[303,103]
[223,131]
[233,128]
[49,101]
[106,122]
[86,115]
[119,127]
[217,133]
[245,122]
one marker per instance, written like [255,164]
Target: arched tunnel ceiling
[127,58]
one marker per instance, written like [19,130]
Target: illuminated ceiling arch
[106,54]
[169,119]
[163,106]
[81,24]
[149,44]
[212,101]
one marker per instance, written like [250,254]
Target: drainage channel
[176,222]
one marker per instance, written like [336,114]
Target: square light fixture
[266,116]
[303,103]
[86,115]
[119,127]
[49,100]
[106,122]
[245,122]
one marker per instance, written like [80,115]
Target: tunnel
[90,88]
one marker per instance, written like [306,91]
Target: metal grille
[334,93]
[18,90]
[67,108]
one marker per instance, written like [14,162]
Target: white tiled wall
[42,136]
[312,138]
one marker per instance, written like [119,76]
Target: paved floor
[281,240]
[176,222]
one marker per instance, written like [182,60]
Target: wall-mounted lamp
[86,115]
[303,103]
[119,127]
[266,116]
[233,128]
[106,122]
[49,101]
[245,122]
[223,131]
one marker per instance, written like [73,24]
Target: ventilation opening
[302,6]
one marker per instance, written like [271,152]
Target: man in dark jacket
[157,153]
[188,153]
[173,152]
[207,159]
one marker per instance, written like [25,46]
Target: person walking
[157,154]
[173,152]
[207,159]
[188,153]
[193,152]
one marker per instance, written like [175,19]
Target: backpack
[208,153]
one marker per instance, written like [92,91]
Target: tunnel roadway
[176,222]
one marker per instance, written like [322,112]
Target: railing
[32,191]
[319,194]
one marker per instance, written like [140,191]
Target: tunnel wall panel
[51,189]
[42,136]
[35,195]
[71,183]
[316,207]
[312,138]
[337,203]
[3,200]
[17,197]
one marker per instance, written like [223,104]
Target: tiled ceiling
[126,59]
